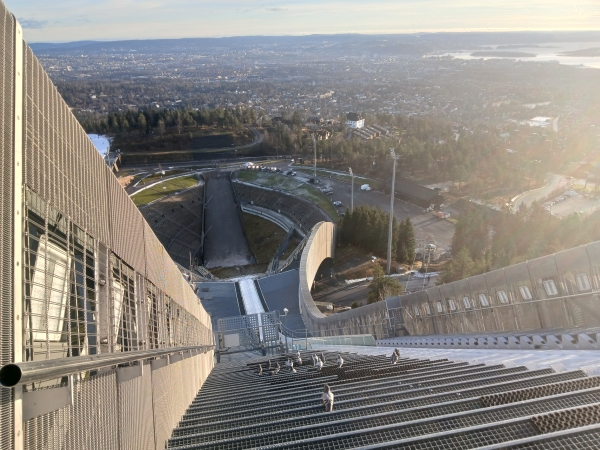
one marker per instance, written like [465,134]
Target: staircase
[416,404]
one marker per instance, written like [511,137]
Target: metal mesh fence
[96,279]
[7,32]
[60,294]
[90,422]
[136,428]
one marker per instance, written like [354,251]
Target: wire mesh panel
[270,322]
[90,423]
[7,32]
[60,308]
[136,424]
[163,405]
[124,311]
[128,223]
[247,327]
[61,163]
[85,253]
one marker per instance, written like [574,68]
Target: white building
[355,121]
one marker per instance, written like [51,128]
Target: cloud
[277,9]
[33,23]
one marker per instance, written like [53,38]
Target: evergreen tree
[382,286]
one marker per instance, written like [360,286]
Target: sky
[75,20]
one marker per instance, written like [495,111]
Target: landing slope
[225,243]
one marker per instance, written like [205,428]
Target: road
[554,182]
[426,226]
[358,293]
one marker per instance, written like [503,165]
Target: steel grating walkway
[416,404]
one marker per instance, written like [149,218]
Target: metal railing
[292,257]
[15,374]
[302,339]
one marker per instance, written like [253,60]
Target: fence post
[306,338]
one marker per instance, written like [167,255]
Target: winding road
[554,182]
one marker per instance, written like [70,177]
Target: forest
[159,121]
[367,227]
[488,240]
[432,150]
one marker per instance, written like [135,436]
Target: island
[595,51]
[503,54]
[512,46]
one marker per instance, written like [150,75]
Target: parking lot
[426,226]
[583,204]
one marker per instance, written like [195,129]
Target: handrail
[15,374]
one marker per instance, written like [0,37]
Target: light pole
[315,157]
[392,195]
[285,313]
[352,195]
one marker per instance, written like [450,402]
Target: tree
[161,127]
[179,124]
[382,287]
[296,119]
[459,173]
[405,242]
[462,266]
[141,124]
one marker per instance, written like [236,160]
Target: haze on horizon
[74,20]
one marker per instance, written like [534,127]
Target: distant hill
[418,43]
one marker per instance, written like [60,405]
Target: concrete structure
[555,292]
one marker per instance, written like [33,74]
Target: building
[355,120]
[81,275]
[411,192]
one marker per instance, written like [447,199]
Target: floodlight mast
[315,158]
[352,194]
[392,195]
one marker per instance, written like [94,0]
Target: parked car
[337,203]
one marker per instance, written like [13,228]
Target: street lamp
[392,195]
[314,158]
[352,195]
[285,313]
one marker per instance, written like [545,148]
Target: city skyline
[65,21]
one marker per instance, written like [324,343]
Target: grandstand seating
[416,404]
[302,212]
[177,222]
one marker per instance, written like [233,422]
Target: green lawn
[290,185]
[163,189]
[263,236]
